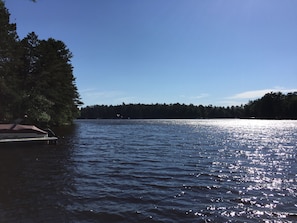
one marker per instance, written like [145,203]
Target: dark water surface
[154,171]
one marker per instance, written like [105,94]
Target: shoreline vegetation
[274,105]
[36,78]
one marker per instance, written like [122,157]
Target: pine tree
[51,94]
[36,77]
[9,63]
[57,81]
[33,103]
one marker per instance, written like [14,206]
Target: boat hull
[24,133]
[30,139]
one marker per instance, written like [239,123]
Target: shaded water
[154,171]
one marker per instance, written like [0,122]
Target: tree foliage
[36,77]
[270,106]
[159,111]
[274,105]
[9,60]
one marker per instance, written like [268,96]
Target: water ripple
[155,171]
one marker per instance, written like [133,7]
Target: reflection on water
[154,171]
[264,167]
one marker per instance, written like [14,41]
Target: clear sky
[219,52]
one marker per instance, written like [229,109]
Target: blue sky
[219,52]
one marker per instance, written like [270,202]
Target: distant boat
[25,133]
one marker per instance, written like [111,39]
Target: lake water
[154,171]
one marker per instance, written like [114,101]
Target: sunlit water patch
[155,171]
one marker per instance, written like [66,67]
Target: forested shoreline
[270,106]
[36,77]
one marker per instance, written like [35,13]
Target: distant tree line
[270,106]
[36,77]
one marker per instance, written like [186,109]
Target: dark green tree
[56,82]
[28,73]
[50,94]
[36,77]
[291,105]
[9,64]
